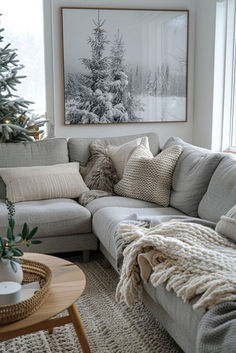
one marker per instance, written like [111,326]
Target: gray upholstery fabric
[180,320]
[79,147]
[106,219]
[28,154]
[184,341]
[191,177]
[65,243]
[221,194]
[168,318]
[118,201]
[53,217]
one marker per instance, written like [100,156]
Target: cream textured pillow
[147,178]
[121,154]
[40,183]
[227,224]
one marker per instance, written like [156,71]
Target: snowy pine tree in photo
[119,80]
[110,77]
[72,86]
[93,102]
[102,94]
[124,104]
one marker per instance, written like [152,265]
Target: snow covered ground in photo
[163,109]
[155,109]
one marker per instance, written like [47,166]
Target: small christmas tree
[16,122]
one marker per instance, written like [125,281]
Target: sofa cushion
[106,220]
[191,177]
[27,154]
[118,201]
[53,217]
[221,194]
[79,147]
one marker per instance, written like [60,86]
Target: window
[233,123]
[23,23]
[229,106]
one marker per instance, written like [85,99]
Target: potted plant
[10,268]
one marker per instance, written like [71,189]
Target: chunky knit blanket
[190,258]
[149,222]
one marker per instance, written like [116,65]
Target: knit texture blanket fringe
[190,258]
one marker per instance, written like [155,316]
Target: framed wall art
[124,65]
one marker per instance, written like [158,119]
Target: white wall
[204,72]
[164,130]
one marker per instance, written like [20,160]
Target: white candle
[10,293]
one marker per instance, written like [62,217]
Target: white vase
[7,273]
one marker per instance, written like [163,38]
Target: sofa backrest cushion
[27,154]
[79,147]
[221,193]
[191,177]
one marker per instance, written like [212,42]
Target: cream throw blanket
[192,259]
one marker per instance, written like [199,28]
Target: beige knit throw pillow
[147,178]
[227,224]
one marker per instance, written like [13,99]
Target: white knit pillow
[227,224]
[121,154]
[44,182]
[147,178]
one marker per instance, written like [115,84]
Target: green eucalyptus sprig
[9,245]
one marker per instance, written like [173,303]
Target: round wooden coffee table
[67,285]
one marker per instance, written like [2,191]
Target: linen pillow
[147,178]
[43,182]
[227,224]
[121,154]
[99,173]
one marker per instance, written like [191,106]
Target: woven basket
[33,271]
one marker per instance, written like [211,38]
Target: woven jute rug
[110,327]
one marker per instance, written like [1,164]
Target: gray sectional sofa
[204,185]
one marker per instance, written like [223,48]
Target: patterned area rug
[110,327]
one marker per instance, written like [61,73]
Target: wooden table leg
[79,328]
